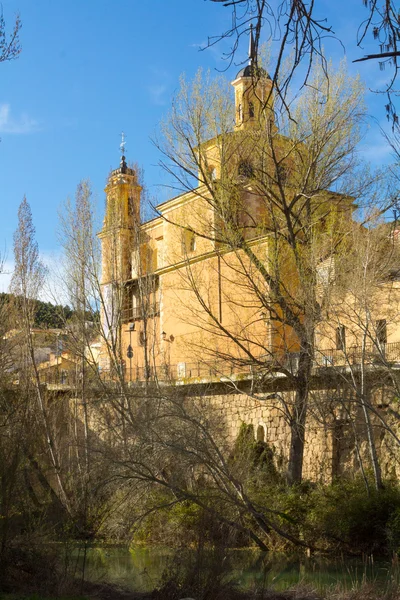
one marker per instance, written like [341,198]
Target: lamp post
[58,356]
[129,351]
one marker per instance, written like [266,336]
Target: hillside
[47,315]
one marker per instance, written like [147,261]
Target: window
[142,338]
[341,337]
[159,253]
[240,112]
[128,304]
[245,169]
[131,206]
[188,242]
[251,110]
[381,331]
[192,242]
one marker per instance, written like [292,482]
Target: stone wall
[270,425]
[336,441]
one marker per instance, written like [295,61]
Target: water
[141,569]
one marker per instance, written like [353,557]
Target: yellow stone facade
[176,299]
[156,276]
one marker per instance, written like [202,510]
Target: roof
[253,71]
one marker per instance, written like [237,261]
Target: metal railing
[380,356]
[370,354]
[139,312]
[54,376]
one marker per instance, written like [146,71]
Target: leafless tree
[26,283]
[9,43]
[294,27]
[362,312]
[290,181]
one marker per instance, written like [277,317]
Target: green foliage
[51,316]
[182,523]
[345,515]
[168,524]
[47,315]
[341,517]
[253,457]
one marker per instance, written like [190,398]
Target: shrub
[345,515]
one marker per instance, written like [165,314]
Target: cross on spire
[123,165]
[122,144]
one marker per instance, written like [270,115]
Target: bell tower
[121,223]
[253,93]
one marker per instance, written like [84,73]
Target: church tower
[253,93]
[119,238]
[121,224]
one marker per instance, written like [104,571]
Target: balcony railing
[370,354]
[384,356]
[136,313]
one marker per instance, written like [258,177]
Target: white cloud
[10,124]
[158,87]
[157,94]
[54,289]
[5,275]
[213,49]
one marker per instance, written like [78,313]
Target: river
[141,569]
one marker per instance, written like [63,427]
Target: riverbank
[119,573]
[93,591]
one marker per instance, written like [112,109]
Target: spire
[252,48]
[122,148]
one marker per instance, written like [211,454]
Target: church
[258,277]
[214,286]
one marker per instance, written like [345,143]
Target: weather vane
[122,144]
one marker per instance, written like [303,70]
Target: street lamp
[129,351]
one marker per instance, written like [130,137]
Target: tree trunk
[298,417]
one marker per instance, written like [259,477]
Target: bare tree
[26,283]
[76,223]
[9,44]
[294,27]
[353,337]
[285,201]
[152,437]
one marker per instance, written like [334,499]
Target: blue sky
[90,69]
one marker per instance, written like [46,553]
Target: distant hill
[47,315]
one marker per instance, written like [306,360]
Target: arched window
[260,434]
[245,169]
[251,110]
